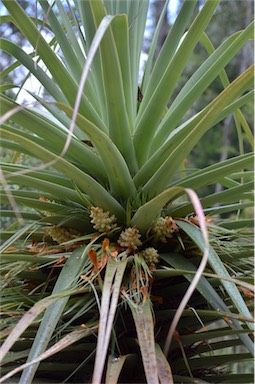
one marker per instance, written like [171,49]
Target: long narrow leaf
[210,294]
[59,73]
[147,121]
[164,370]
[144,327]
[196,85]
[230,195]
[27,61]
[160,156]
[215,172]
[148,212]
[219,268]
[178,149]
[111,288]
[66,280]
[74,65]
[54,136]
[118,121]
[114,367]
[205,249]
[119,176]
[101,197]
[63,343]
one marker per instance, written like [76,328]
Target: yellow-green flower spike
[130,238]
[102,221]
[150,255]
[61,234]
[164,228]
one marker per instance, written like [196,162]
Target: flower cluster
[130,238]
[44,200]
[150,255]
[102,221]
[61,234]
[164,228]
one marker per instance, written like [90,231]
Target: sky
[173,6]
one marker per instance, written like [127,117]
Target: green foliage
[110,273]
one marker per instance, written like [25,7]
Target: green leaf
[156,160]
[44,185]
[198,82]
[183,140]
[74,65]
[113,75]
[31,200]
[58,71]
[66,280]
[25,59]
[63,343]
[54,137]
[149,211]
[137,15]
[215,172]
[14,237]
[120,180]
[87,184]
[120,31]
[159,97]
[153,46]
[238,116]
[230,195]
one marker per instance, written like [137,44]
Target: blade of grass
[74,65]
[215,172]
[44,185]
[238,116]
[170,46]
[88,23]
[153,46]
[137,16]
[56,137]
[147,213]
[22,57]
[15,236]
